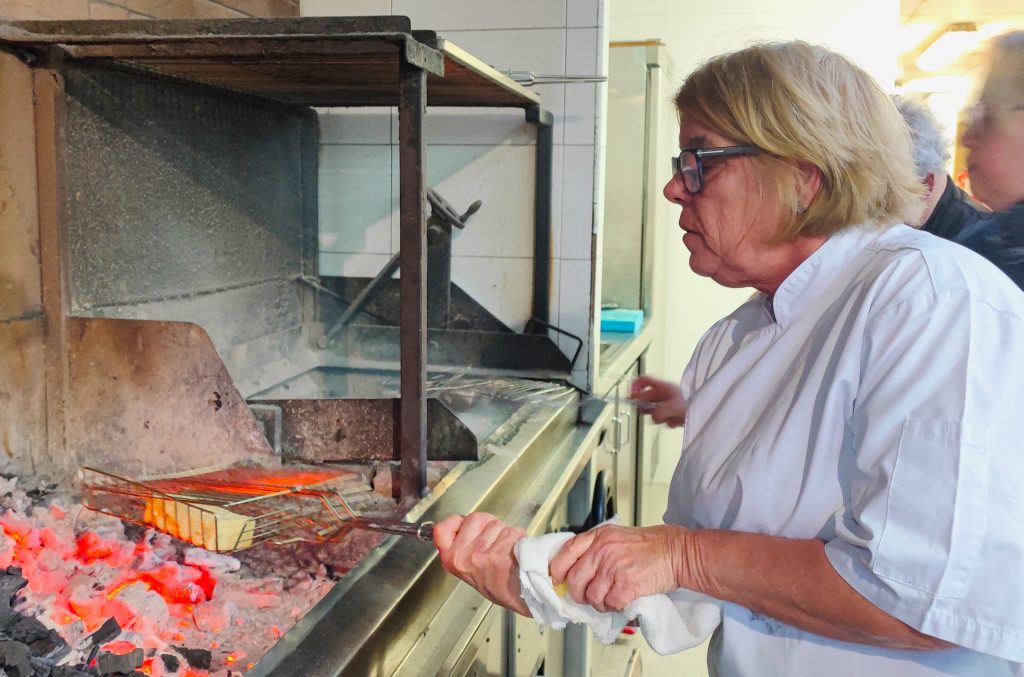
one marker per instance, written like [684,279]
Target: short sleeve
[932,530]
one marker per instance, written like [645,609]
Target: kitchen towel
[670,623]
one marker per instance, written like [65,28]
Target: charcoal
[49,645]
[16,659]
[119,664]
[13,571]
[197,658]
[42,667]
[29,631]
[171,662]
[66,671]
[106,632]
[41,641]
[10,584]
[54,656]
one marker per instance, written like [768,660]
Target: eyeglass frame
[700,153]
[982,122]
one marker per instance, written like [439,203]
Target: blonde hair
[798,101]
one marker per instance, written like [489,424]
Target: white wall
[479,154]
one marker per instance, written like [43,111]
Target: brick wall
[145,9]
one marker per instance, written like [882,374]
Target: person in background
[850,480]
[948,210]
[995,161]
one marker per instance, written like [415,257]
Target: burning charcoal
[119,664]
[171,662]
[211,560]
[197,658]
[15,659]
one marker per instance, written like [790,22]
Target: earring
[800,208]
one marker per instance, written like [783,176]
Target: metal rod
[423,531]
[368,293]
[412,248]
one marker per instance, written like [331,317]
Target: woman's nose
[674,191]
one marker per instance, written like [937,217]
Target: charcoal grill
[162,304]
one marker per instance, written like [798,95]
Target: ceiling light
[957,40]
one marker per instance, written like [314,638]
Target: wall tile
[502,285]
[345,7]
[370,125]
[157,8]
[207,9]
[333,264]
[355,199]
[447,15]
[581,51]
[541,51]
[577,202]
[503,177]
[579,113]
[574,305]
[44,9]
[484,126]
[263,8]
[101,10]
[582,13]
[552,98]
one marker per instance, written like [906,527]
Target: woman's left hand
[610,566]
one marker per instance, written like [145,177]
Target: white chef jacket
[876,403]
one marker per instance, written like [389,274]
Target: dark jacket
[999,237]
[954,212]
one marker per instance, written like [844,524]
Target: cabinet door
[626,428]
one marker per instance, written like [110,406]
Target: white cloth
[875,404]
[670,623]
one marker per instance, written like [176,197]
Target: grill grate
[236,508]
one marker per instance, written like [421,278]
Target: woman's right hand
[479,549]
[669,407]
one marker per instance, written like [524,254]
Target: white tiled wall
[480,154]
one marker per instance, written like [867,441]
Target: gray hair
[930,148]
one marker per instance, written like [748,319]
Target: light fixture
[954,42]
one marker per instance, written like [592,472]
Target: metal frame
[348,61]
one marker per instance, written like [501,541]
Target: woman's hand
[610,566]
[478,549]
[669,406]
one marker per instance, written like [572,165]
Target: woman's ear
[809,179]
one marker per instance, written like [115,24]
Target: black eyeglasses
[690,162]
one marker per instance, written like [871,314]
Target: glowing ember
[82,571]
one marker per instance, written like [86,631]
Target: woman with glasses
[995,141]
[850,484]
